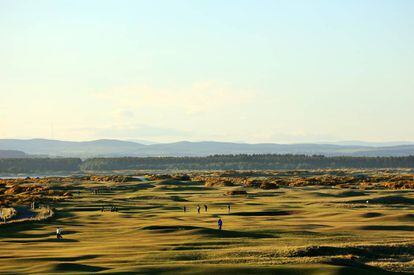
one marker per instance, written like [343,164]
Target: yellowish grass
[313,230]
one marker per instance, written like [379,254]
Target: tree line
[245,162]
[215,162]
[36,165]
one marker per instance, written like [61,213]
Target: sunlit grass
[315,230]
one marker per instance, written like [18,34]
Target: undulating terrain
[294,222]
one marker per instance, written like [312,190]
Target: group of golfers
[219,222]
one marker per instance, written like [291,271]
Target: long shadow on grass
[263,213]
[66,259]
[73,267]
[49,240]
[388,227]
[389,200]
[206,231]
[368,251]
[264,270]
[17,230]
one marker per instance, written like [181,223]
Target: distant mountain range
[118,148]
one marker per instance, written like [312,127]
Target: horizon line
[150,142]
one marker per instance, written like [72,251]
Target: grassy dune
[301,230]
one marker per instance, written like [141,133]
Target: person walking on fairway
[185,209]
[198,209]
[59,233]
[228,207]
[220,223]
[205,207]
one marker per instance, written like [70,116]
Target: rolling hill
[119,148]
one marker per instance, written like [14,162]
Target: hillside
[119,148]
[4,154]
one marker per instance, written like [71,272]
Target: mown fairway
[301,230]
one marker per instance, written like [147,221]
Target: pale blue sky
[254,71]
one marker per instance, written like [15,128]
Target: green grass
[310,230]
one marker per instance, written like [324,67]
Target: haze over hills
[371,144]
[119,148]
[12,154]
[100,147]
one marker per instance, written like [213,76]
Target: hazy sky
[254,71]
